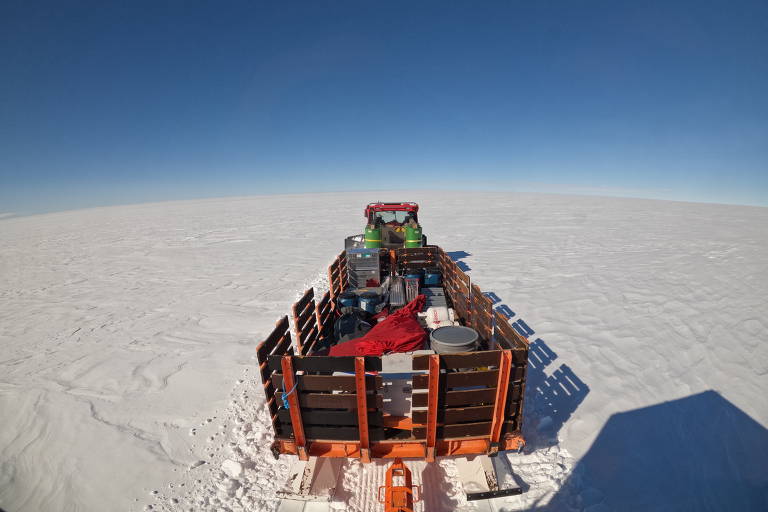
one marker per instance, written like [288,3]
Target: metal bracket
[312,480]
[478,476]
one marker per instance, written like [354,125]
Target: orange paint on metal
[403,449]
[398,422]
[398,498]
[505,366]
[432,403]
[362,408]
[295,409]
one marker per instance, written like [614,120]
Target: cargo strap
[285,395]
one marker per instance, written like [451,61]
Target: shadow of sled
[699,453]
[550,399]
[458,255]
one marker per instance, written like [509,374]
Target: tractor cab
[393,226]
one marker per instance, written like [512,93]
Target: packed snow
[127,337]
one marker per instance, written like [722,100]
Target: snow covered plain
[127,337]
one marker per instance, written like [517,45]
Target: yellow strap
[371,240]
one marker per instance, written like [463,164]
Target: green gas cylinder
[413,236]
[372,237]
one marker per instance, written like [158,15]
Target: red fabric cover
[399,332]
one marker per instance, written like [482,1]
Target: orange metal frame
[502,386]
[403,449]
[398,498]
[362,408]
[432,399]
[289,384]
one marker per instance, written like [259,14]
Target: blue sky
[103,103]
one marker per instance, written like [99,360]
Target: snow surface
[127,337]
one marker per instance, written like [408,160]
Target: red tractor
[393,225]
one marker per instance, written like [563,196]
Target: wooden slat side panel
[509,333]
[455,431]
[455,398]
[283,347]
[325,417]
[266,347]
[308,336]
[417,253]
[327,363]
[317,433]
[460,379]
[302,303]
[484,358]
[327,401]
[328,382]
[481,300]
[306,319]
[457,415]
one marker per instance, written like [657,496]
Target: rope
[285,395]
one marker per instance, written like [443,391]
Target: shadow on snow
[456,256]
[698,453]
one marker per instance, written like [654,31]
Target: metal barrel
[372,237]
[453,338]
[412,236]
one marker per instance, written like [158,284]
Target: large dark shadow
[457,256]
[699,453]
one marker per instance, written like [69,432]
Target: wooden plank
[279,349]
[328,382]
[327,363]
[330,417]
[314,433]
[411,265]
[461,360]
[337,401]
[512,426]
[406,253]
[453,398]
[460,430]
[480,299]
[305,319]
[324,301]
[305,337]
[460,379]
[282,347]
[509,332]
[301,304]
[457,415]
[266,347]
[332,285]
[520,357]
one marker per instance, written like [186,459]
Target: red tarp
[399,332]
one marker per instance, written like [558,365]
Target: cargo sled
[459,393]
